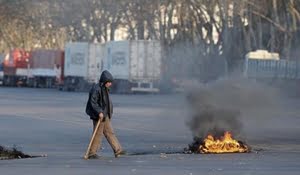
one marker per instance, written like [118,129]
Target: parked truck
[46,68]
[16,67]
[264,65]
[83,65]
[135,65]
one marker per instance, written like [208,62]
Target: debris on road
[13,153]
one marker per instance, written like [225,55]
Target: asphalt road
[43,121]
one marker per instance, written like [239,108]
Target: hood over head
[106,77]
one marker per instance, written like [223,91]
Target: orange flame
[225,144]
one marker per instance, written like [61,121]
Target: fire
[226,144]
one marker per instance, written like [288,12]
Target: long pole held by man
[87,154]
[100,109]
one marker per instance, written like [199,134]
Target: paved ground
[42,121]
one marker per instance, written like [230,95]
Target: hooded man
[99,107]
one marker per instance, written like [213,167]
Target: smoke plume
[223,105]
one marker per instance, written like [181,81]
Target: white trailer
[83,65]
[135,65]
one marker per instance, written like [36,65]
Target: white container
[145,60]
[76,59]
[116,59]
[138,62]
[83,60]
[95,60]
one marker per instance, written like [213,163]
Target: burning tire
[213,145]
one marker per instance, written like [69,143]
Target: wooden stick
[86,156]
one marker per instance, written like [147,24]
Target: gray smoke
[223,105]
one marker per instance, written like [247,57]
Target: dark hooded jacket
[99,100]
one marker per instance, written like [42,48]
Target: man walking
[99,107]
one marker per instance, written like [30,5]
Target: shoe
[118,154]
[94,156]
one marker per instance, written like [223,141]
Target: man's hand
[101,116]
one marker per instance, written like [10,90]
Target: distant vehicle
[46,68]
[82,66]
[1,68]
[135,65]
[16,67]
[262,64]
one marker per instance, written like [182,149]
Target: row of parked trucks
[135,65]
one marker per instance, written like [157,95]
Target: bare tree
[225,29]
